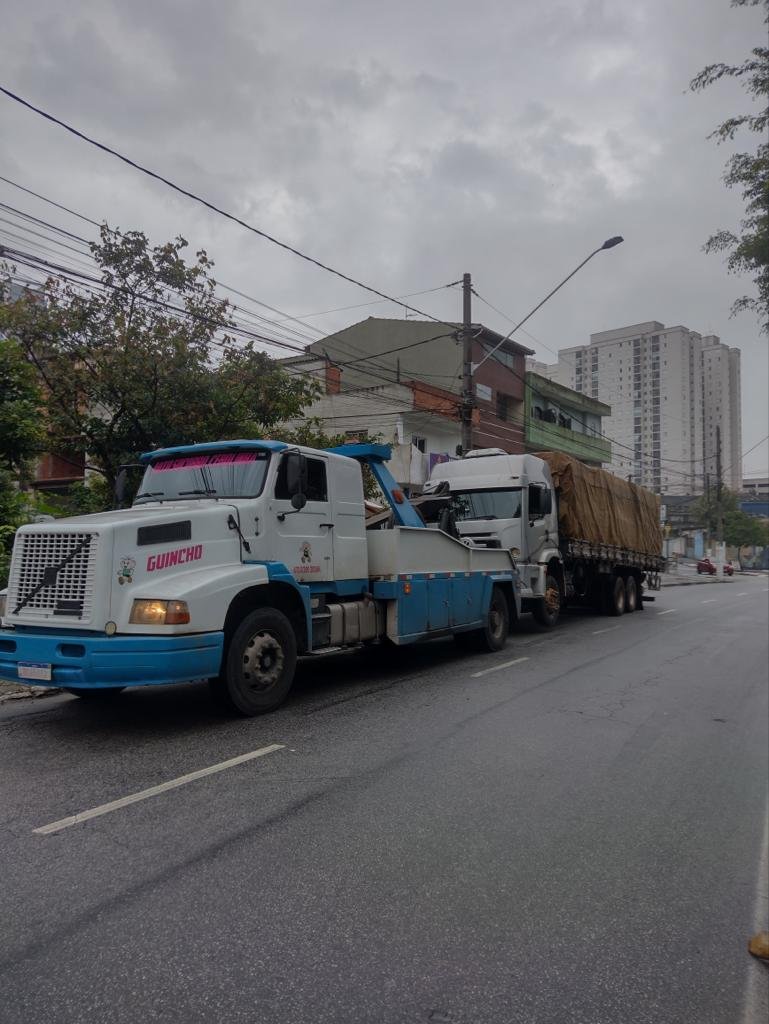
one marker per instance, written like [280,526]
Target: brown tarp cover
[600,508]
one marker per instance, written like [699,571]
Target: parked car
[705,565]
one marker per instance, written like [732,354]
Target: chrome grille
[68,592]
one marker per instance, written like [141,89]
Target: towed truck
[235,559]
[579,535]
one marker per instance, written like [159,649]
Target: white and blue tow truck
[235,559]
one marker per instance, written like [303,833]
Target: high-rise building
[669,389]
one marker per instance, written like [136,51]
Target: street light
[608,244]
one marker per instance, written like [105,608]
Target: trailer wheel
[94,692]
[617,596]
[547,610]
[631,594]
[259,664]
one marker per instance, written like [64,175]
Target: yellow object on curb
[759,945]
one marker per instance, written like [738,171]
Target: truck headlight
[159,613]
[3,603]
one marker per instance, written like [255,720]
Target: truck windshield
[213,475]
[497,504]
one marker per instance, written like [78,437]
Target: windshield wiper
[149,494]
[207,490]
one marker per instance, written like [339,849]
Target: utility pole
[469,367]
[719,486]
[468,399]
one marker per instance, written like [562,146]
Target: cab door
[305,534]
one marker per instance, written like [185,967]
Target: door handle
[329,525]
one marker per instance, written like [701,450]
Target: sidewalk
[13,691]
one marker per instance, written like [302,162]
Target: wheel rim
[262,661]
[620,599]
[496,620]
[552,599]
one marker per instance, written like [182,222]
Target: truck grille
[65,563]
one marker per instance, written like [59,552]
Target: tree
[749,249]
[21,422]
[146,358]
[742,530]
[21,437]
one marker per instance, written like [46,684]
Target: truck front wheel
[259,664]
[631,594]
[547,610]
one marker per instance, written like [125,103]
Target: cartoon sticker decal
[125,573]
[305,555]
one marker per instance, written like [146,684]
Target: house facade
[559,419]
[401,381]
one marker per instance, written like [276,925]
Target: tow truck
[236,559]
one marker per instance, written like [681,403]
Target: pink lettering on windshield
[196,461]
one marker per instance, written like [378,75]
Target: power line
[275,325]
[211,206]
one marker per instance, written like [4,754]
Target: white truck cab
[507,501]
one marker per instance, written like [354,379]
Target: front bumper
[93,660]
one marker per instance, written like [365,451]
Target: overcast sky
[405,143]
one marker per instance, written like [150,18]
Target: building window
[503,402]
[419,442]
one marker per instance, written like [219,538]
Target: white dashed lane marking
[668,611]
[598,632]
[710,600]
[145,794]
[498,668]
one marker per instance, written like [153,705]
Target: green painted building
[561,420]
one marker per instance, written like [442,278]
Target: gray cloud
[406,143]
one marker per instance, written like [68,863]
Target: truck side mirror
[540,501]
[298,501]
[120,487]
[122,483]
[296,476]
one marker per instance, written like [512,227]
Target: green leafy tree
[21,438]
[148,359]
[22,430]
[742,530]
[748,249]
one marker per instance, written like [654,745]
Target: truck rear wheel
[259,664]
[631,594]
[617,596]
[493,636]
[547,610]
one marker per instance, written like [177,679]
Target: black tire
[616,596]
[94,693]
[493,636]
[259,664]
[631,594]
[547,611]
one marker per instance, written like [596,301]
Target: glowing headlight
[159,613]
[3,603]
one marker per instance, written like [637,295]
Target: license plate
[34,670]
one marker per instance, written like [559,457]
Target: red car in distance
[705,565]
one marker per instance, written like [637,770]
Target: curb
[10,691]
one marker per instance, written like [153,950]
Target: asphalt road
[577,837]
